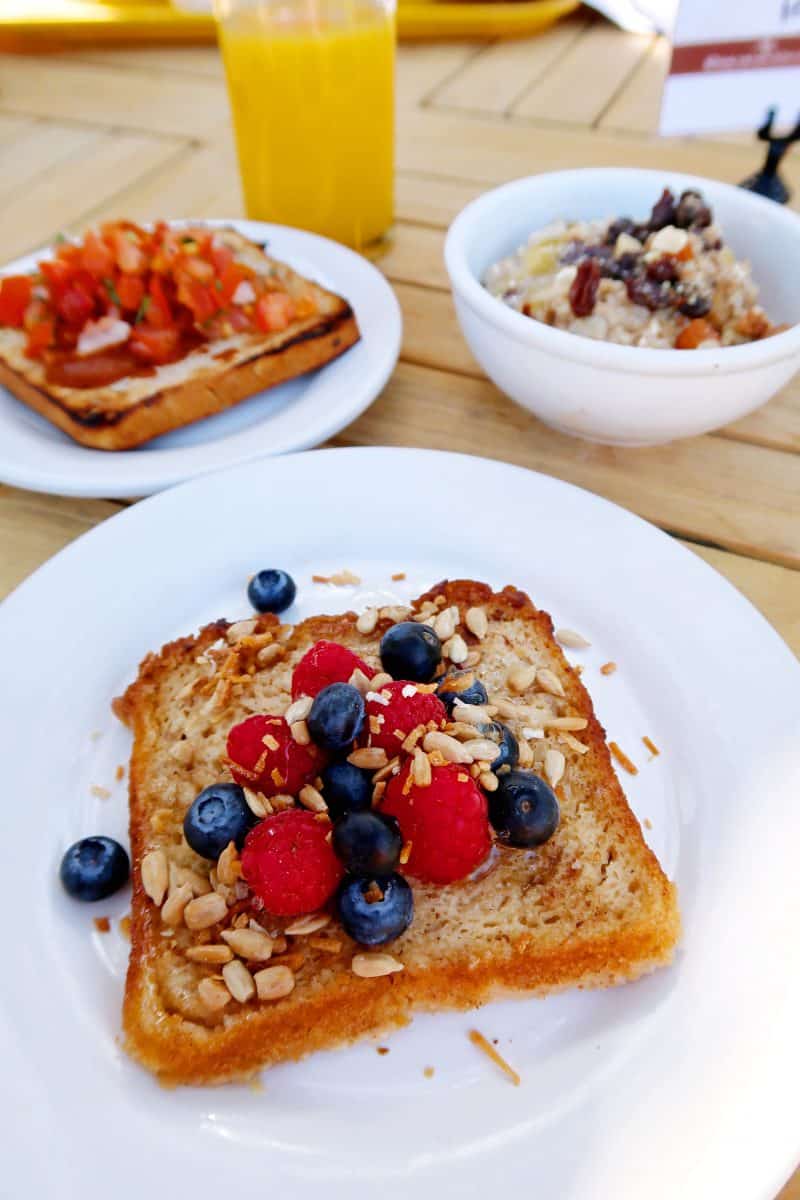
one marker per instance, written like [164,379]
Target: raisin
[663,211]
[692,211]
[583,292]
[621,225]
[647,292]
[663,270]
[695,304]
[622,267]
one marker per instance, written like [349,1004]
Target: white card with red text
[731,62]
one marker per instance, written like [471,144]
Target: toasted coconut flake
[651,746]
[488,1049]
[623,759]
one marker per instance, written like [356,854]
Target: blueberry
[94,868]
[374,912]
[271,591]
[412,651]
[368,843]
[524,810]
[218,815]
[346,789]
[461,687]
[502,736]
[337,716]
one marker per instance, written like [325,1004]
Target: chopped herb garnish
[108,284]
[187,241]
[218,284]
[59,239]
[142,309]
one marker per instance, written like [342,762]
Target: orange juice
[313,111]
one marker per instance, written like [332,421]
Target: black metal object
[767,182]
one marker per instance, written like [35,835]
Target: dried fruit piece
[695,333]
[583,291]
[663,211]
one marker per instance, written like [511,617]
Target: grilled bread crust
[590,908]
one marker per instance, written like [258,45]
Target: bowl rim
[561,343]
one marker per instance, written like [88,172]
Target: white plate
[298,414]
[684,1084]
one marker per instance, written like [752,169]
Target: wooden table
[145,133]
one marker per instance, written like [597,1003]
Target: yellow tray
[47,24]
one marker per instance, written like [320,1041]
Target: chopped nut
[481,750]
[308,924]
[445,624]
[370,758]
[378,681]
[477,622]
[125,926]
[421,769]
[548,681]
[571,639]
[372,966]
[299,731]
[367,621]
[391,768]
[239,981]
[155,875]
[281,802]
[102,793]
[102,924]
[405,853]
[651,746]
[176,902]
[204,911]
[229,869]
[448,747]
[377,793]
[398,575]
[273,983]
[259,805]
[268,655]
[473,714]
[456,649]
[328,945]
[359,681]
[608,668]
[213,953]
[554,765]
[488,781]
[213,994]
[568,740]
[240,629]
[525,754]
[279,943]
[394,612]
[312,799]
[472,659]
[521,677]
[572,724]
[299,710]
[199,884]
[344,578]
[412,738]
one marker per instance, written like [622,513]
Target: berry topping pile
[368,782]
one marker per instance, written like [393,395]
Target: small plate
[294,416]
[683,1084]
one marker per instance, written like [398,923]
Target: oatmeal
[669,281]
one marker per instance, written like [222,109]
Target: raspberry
[325,663]
[447,823]
[390,723]
[289,865]
[264,756]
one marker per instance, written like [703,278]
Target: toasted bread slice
[209,379]
[589,908]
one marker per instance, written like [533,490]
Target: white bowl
[623,395]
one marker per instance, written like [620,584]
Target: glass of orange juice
[311,86]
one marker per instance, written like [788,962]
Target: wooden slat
[64,89]
[35,152]
[76,186]
[431,335]
[777,424]
[491,150]
[431,200]
[415,255]
[204,61]
[636,108]
[34,527]
[740,497]
[202,181]
[775,591]
[589,75]
[422,67]
[497,76]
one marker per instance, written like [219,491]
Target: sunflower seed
[155,875]
[573,724]
[477,622]
[300,734]
[367,621]
[175,904]
[548,681]
[312,799]
[228,869]
[299,710]
[473,714]
[456,649]
[481,750]
[573,743]
[249,943]
[212,953]
[448,747]
[213,994]
[240,629]
[239,981]
[359,681]
[488,781]
[378,681]
[372,966]
[444,626]
[554,764]
[273,983]
[369,758]
[309,924]
[571,639]
[259,805]
[205,911]
[421,769]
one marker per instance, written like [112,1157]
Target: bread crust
[199,1051]
[174,407]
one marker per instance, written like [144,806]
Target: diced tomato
[230,277]
[97,258]
[130,289]
[686,253]
[199,269]
[15,294]
[220,255]
[129,255]
[75,305]
[203,301]
[274,312]
[40,336]
[57,272]
[159,313]
[154,345]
